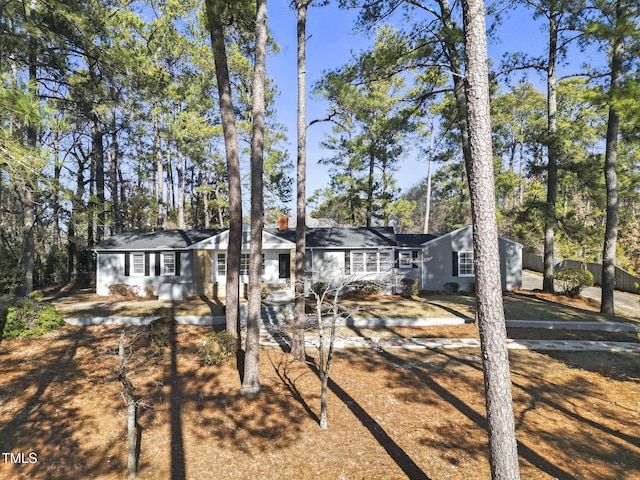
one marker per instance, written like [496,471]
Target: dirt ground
[392,414]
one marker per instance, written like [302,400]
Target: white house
[181,263]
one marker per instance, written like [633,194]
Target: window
[370,261]
[385,261]
[168,263]
[465,264]
[357,262]
[405,260]
[222,264]
[244,264]
[137,264]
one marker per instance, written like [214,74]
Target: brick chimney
[283,223]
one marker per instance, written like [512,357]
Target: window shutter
[455,264]
[347,262]
[146,264]
[178,255]
[127,264]
[414,257]
[396,259]
[157,264]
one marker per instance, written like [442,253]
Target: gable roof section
[454,232]
[158,240]
[270,240]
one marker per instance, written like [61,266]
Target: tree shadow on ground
[429,380]
[214,304]
[555,399]
[43,420]
[621,366]
[176,394]
[395,452]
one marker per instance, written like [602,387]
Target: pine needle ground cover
[392,413]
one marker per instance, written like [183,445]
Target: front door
[284,265]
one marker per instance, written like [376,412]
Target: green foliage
[29,317]
[320,287]
[452,287]
[370,135]
[217,348]
[573,280]
[410,286]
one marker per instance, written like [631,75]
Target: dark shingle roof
[413,239]
[343,237]
[331,237]
[173,239]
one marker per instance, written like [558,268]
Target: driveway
[625,303]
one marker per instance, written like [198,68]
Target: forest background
[110,123]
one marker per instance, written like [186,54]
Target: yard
[522,305]
[393,413]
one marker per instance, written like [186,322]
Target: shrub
[451,287]
[410,286]
[124,291]
[573,280]
[268,288]
[29,318]
[217,348]
[320,287]
[160,331]
[368,287]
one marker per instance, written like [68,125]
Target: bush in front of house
[320,287]
[29,317]
[125,291]
[368,287]
[410,286]
[452,287]
[217,348]
[573,280]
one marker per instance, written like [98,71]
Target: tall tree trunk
[57,170]
[489,308]
[26,192]
[98,155]
[251,379]
[369,211]
[607,304]
[181,187]
[171,186]
[114,169]
[28,244]
[73,265]
[453,55]
[159,175]
[91,222]
[553,154]
[214,17]
[298,342]
[427,209]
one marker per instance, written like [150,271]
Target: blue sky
[331,44]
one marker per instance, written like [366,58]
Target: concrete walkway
[274,338]
[276,315]
[271,333]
